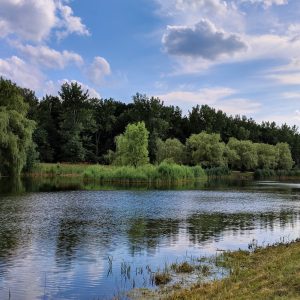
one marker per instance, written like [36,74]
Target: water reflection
[148,234]
[67,232]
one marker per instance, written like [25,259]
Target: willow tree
[285,160]
[243,155]
[206,149]
[132,146]
[171,149]
[15,129]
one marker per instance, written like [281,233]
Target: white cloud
[288,74]
[219,97]
[291,118]
[50,58]
[266,3]
[52,87]
[267,35]
[35,19]
[266,46]
[69,22]
[21,72]
[188,12]
[286,79]
[291,95]
[30,19]
[98,70]
[202,40]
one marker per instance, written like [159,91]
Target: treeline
[205,149]
[72,127]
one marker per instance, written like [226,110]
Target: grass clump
[165,172]
[184,267]
[162,278]
[266,273]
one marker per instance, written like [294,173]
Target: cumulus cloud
[21,72]
[34,19]
[202,40]
[219,97]
[30,19]
[69,22]
[98,70]
[48,57]
[188,12]
[52,87]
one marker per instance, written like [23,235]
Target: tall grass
[168,172]
[218,171]
[267,173]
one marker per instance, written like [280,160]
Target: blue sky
[241,56]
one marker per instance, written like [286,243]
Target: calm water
[68,240]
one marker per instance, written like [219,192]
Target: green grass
[149,173]
[266,273]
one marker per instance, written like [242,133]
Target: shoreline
[270,272]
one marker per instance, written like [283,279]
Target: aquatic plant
[183,267]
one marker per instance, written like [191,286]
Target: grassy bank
[266,273]
[147,173]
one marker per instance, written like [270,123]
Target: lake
[64,239]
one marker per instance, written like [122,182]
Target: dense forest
[72,127]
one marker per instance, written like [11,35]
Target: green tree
[285,161]
[267,156]
[77,125]
[47,135]
[206,149]
[156,117]
[171,149]
[15,129]
[244,156]
[132,146]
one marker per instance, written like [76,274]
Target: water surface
[70,240]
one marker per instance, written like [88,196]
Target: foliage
[243,155]
[77,124]
[218,171]
[145,173]
[267,156]
[72,127]
[206,149]
[171,150]
[264,174]
[132,146]
[285,161]
[15,129]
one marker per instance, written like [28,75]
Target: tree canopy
[73,127]
[132,146]
[15,129]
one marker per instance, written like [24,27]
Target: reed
[166,172]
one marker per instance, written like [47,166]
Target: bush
[218,171]
[264,173]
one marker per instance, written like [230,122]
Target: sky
[240,56]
